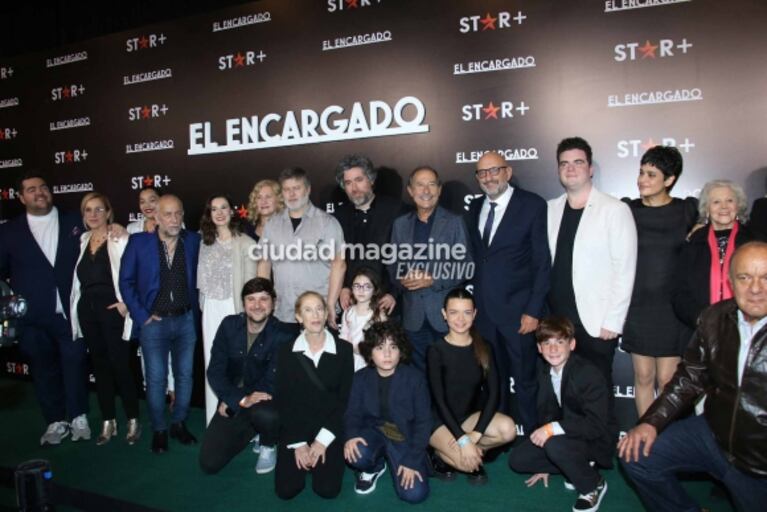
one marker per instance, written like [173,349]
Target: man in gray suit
[432,258]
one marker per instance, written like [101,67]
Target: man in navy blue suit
[38,252]
[507,229]
[158,282]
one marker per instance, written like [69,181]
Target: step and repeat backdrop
[214,103]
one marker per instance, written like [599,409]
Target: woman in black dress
[313,381]
[652,333]
[99,315]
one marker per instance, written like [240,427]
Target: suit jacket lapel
[438,225]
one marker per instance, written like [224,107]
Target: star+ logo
[7,194]
[66,92]
[144,42]
[6,72]
[634,148]
[344,5]
[150,180]
[151,111]
[478,23]
[648,50]
[8,133]
[70,156]
[502,110]
[240,59]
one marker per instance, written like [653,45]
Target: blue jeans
[371,460]
[421,340]
[177,335]
[688,445]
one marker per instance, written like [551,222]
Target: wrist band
[463,440]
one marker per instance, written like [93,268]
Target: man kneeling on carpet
[242,368]
[388,416]
[574,436]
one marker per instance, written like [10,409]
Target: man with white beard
[303,247]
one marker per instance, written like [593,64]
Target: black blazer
[584,411]
[693,275]
[379,232]
[303,407]
[30,272]
[231,362]
[409,409]
[512,275]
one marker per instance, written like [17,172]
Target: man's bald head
[170,216]
[493,174]
[748,275]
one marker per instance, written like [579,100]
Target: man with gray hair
[366,220]
[303,246]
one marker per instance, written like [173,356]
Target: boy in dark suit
[573,436]
[388,417]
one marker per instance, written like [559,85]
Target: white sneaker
[56,431]
[80,428]
[267,459]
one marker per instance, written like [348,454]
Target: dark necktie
[489,224]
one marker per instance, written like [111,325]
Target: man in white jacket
[593,243]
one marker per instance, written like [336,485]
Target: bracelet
[463,440]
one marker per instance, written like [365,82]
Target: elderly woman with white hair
[702,276]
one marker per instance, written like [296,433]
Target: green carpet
[174,482]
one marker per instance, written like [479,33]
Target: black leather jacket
[737,415]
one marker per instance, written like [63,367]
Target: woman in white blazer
[99,315]
[224,266]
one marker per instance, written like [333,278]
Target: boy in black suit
[573,437]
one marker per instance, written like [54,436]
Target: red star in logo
[351,4]
[66,92]
[239,60]
[491,111]
[242,212]
[2,134]
[648,50]
[145,112]
[488,22]
[148,181]
[143,42]
[649,144]
[68,156]
[5,194]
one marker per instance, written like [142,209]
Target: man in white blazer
[593,243]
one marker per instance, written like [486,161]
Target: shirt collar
[501,201]
[752,328]
[301,345]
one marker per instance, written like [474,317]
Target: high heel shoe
[134,431]
[108,431]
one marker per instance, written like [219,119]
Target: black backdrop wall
[215,102]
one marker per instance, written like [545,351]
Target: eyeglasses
[492,171]
[98,210]
[362,287]
[576,163]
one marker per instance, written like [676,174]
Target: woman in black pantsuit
[99,315]
[314,376]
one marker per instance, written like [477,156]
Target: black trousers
[226,437]
[560,454]
[601,353]
[327,478]
[102,329]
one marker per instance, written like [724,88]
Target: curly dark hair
[208,228]
[378,333]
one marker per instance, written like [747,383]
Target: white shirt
[324,436]
[501,203]
[45,230]
[556,383]
[747,332]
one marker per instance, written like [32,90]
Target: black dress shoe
[478,477]
[179,432]
[160,441]
[440,469]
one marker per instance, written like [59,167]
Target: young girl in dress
[365,309]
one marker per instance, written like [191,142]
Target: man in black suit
[573,437]
[38,252]
[507,230]
[243,362]
[366,218]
